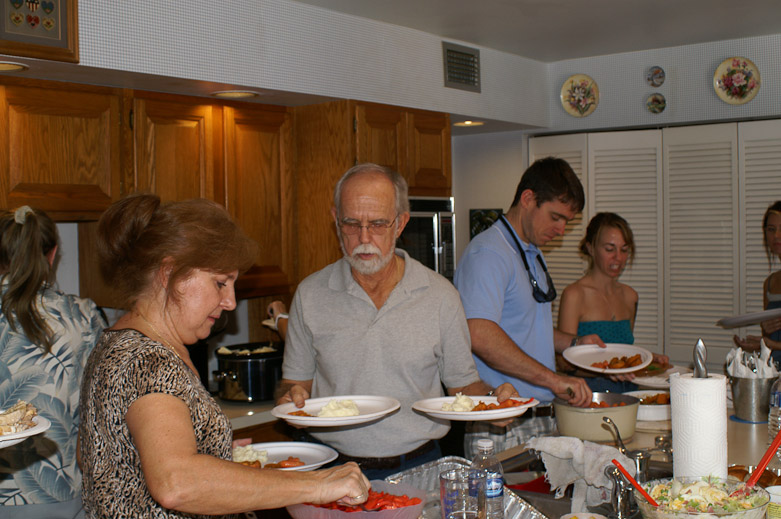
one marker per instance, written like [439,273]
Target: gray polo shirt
[407,349]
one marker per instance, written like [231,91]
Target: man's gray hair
[399,185]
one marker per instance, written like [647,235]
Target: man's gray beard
[367,267]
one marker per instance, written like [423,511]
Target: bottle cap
[484,443]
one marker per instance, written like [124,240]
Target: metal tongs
[700,355]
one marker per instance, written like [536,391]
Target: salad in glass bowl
[687,498]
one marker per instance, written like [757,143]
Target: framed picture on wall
[482,219]
[42,29]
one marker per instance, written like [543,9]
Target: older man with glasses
[377,322]
[507,293]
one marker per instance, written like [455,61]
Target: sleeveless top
[609,331]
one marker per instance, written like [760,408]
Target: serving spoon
[635,484]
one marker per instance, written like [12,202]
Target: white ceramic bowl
[651,412]
[586,422]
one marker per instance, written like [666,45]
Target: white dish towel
[570,460]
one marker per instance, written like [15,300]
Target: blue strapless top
[609,331]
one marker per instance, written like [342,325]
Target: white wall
[289,46]
[486,170]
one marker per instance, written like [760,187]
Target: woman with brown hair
[45,339]
[771,288]
[153,442]
[598,302]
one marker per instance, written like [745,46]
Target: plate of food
[749,319]
[333,411]
[40,424]
[285,455]
[660,380]
[473,408]
[654,404]
[614,359]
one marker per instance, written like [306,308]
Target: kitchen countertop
[746,443]
[246,414]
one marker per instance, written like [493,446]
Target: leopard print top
[124,366]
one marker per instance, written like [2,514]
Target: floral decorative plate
[656,103]
[736,80]
[655,76]
[579,95]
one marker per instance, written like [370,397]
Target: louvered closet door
[561,254]
[760,165]
[701,238]
[625,177]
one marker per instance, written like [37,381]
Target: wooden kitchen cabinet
[259,193]
[59,148]
[177,147]
[236,154]
[333,137]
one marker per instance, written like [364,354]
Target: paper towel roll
[699,422]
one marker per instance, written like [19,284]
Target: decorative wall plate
[579,95]
[655,76]
[736,80]
[656,103]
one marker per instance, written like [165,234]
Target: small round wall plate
[655,76]
[736,80]
[579,95]
[656,103]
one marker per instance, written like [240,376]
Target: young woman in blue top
[771,289]
[598,302]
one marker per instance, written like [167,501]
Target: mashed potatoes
[249,454]
[339,408]
[462,403]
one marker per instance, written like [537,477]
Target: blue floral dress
[42,469]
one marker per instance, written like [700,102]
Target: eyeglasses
[537,293]
[377,227]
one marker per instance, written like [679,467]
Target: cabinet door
[259,193]
[381,136]
[59,150]
[175,149]
[428,152]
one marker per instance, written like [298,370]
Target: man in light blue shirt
[507,293]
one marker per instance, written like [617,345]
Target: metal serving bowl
[586,422]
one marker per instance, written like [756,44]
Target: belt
[391,462]
[540,411]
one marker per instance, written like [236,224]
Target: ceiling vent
[462,67]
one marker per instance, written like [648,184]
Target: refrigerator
[430,235]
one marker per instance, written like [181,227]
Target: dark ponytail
[27,236]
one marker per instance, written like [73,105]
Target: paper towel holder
[700,355]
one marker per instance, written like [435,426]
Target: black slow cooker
[249,377]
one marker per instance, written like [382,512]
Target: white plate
[269,323]
[660,381]
[650,412]
[433,407]
[371,408]
[749,319]
[41,425]
[585,355]
[314,455]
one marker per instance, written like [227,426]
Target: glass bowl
[754,505]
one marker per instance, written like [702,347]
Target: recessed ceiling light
[235,94]
[9,66]
[464,124]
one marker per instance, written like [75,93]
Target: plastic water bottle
[494,482]
[774,415]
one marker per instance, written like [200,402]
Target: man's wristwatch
[574,341]
[276,319]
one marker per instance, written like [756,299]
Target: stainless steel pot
[249,377]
